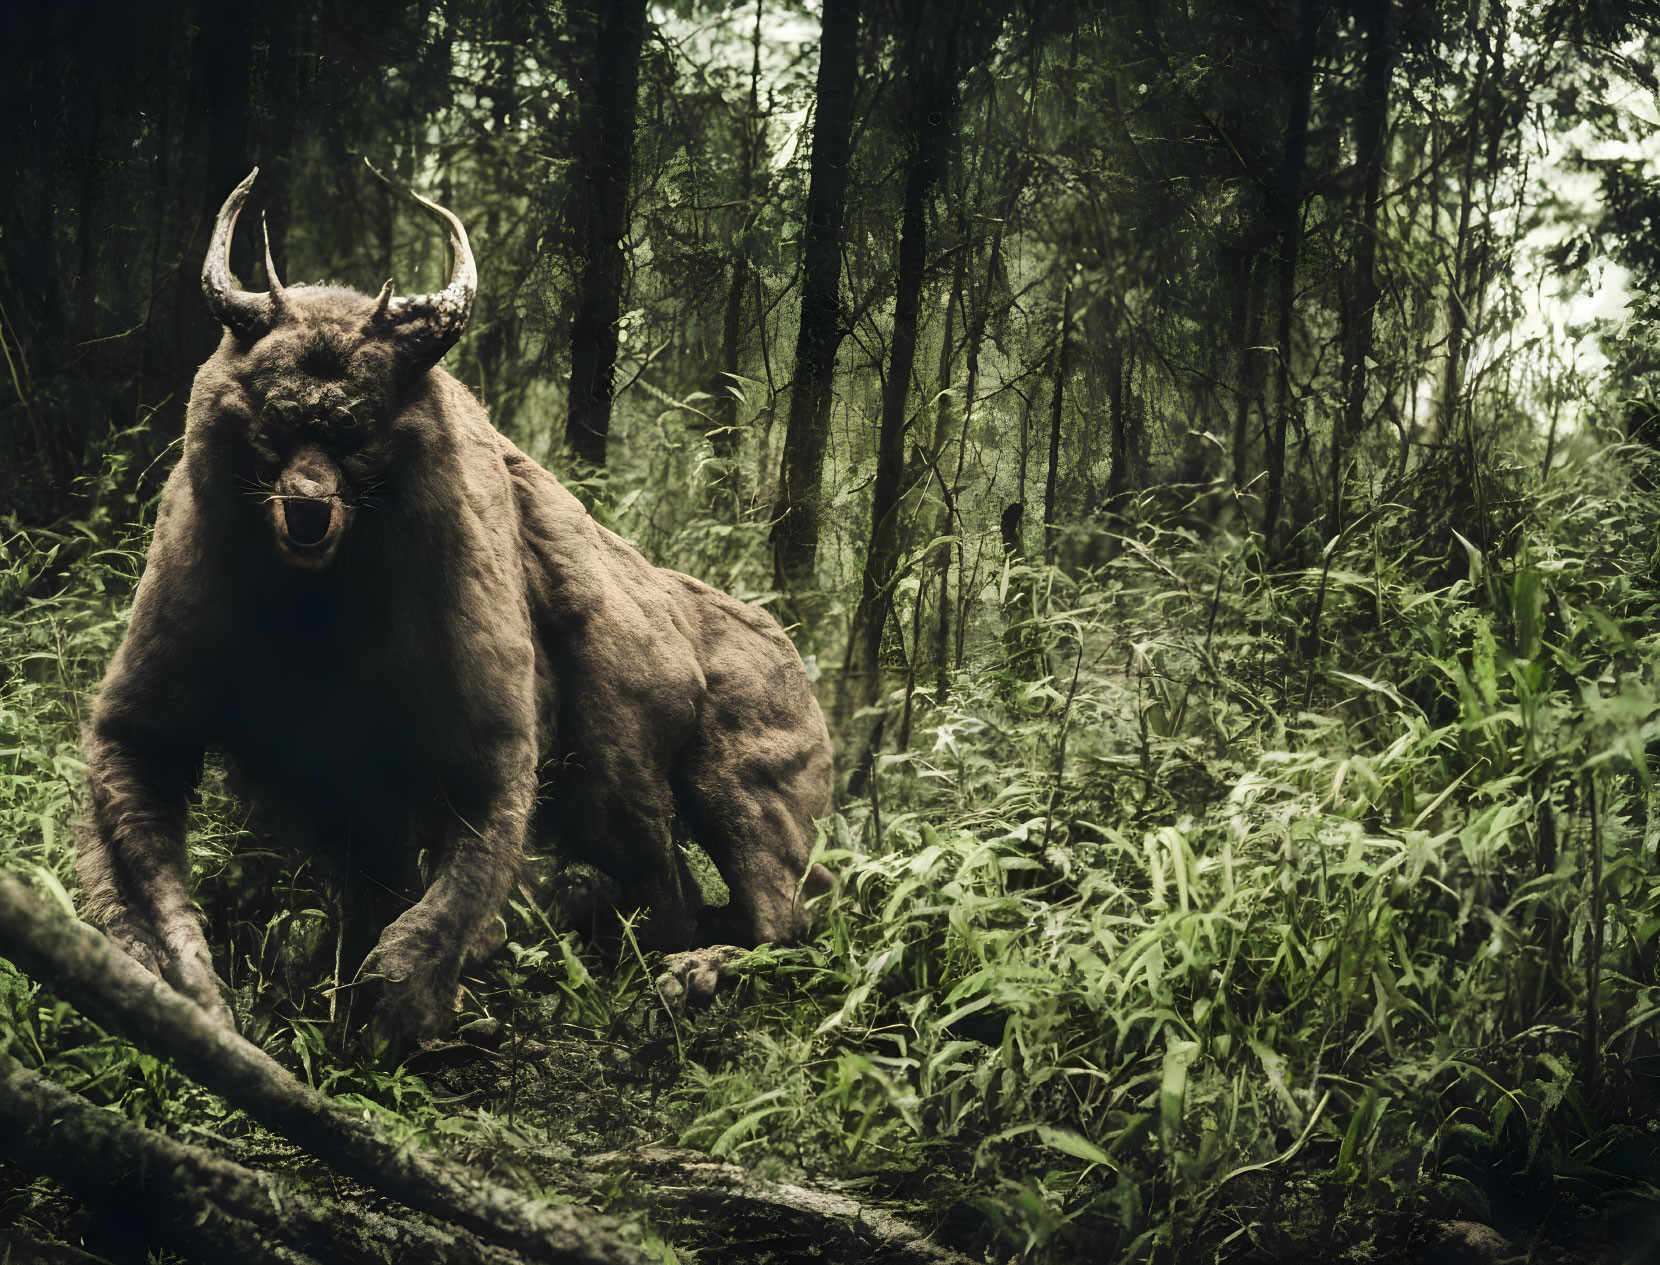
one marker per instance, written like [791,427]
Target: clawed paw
[181,959]
[403,1002]
[692,978]
[193,975]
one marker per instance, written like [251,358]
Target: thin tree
[725,483]
[928,49]
[1358,314]
[605,160]
[1247,322]
[795,533]
[1120,464]
[1287,203]
[1052,479]
[1473,252]
[980,298]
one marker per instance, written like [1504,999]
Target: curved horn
[243,313]
[427,325]
[271,276]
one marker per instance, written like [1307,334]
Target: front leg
[144,749]
[132,862]
[413,975]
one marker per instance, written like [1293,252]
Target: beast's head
[299,405]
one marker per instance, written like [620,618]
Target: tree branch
[88,971]
[198,1202]
[836,1226]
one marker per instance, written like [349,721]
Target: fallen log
[721,1200]
[680,1185]
[191,1200]
[201,1203]
[83,968]
[19,1246]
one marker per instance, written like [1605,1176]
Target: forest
[1206,454]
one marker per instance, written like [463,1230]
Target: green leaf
[1360,1127]
[1173,1089]
[1074,1144]
[55,889]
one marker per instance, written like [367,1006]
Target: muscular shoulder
[174,582]
[149,680]
[720,611]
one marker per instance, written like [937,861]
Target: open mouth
[308,529]
[307,521]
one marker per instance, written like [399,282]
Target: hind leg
[753,813]
[761,843]
[617,818]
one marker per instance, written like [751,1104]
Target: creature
[409,638]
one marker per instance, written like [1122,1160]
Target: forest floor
[1218,913]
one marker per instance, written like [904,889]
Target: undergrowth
[1219,911]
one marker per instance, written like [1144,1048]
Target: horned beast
[406,635]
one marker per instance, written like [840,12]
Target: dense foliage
[1224,541]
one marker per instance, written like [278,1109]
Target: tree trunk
[975,339]
[975,316]
[213,90]
[943,520]
[882,558]
[725,483]
[1483,135]
[795,532]
[1052,478]
[1247,313]
[1469,278]
[1370,142]
[165,1193]
[202,1204]
[89,972]
[1141,401]
[1118,441]
[1287,203]
[688,1189]
[931,72]
[605,160]
[219,1210]
[493,312]
[971,380]
[947,488]
[278,124]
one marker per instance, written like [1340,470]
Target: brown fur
[473,658]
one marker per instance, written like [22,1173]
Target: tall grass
[1221,910]
[1295,949]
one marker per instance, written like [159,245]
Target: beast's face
[302,417]
[316,430]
